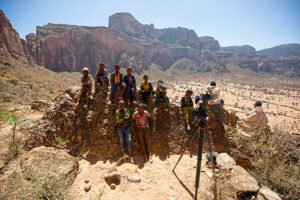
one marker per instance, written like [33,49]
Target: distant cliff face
[126,23]
[244,50]
[129,43]
[285,50]
[11,45]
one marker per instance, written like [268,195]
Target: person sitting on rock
[146,89]
[101,79]
[130,89]
[187,106]
[161,92]
[86,87]
[215,102]
[142,118]
[255,123]
[116,81]
[123,129]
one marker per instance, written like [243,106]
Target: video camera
[200,112]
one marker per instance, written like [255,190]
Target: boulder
[41,105]
[56,162]
[266,194]
[134,178]
[224,161]
[242,181]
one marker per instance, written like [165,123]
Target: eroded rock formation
[11,46]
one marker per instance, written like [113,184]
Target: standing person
[116,81]
[142,118]
[101,79]
[130,90]
[187,106]
[86,87]
[215,102]
[161,92]
[146,89]
[123,129]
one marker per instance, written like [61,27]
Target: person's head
[189,92]
[145,78]
[129,70]
[85,71]
[257,104]
[141,108]
[213,83]
[101,66]
[122,104]
[160,82]
[117,68]
[164,88]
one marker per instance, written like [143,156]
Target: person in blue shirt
[130,89]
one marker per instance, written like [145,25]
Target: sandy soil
[157,180]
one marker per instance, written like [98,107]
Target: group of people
[126,86]
[123,85]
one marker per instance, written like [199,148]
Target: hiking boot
[150,160]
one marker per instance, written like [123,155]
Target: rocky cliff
[11,46]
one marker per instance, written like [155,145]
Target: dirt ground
[157,180]
[280,97]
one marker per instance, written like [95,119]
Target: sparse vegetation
[44,185]
[275,160]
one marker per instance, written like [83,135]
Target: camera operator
[215,102]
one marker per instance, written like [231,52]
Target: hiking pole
[186,146]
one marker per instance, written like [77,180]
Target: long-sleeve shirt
[86,81]
[130,81]
[116,80]
[122,118]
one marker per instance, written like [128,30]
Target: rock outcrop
[11,45]
[93,130]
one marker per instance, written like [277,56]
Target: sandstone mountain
[244,50]
[285,50]
[126,41]
[11,46]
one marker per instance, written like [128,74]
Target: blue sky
[260,23]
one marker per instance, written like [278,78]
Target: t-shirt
[141,120]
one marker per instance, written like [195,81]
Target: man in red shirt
[141,118]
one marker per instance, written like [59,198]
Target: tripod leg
[188,143]
[201,139]
[210,150]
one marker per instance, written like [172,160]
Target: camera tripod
[202,126]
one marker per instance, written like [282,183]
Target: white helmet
[85,69]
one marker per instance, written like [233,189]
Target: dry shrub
[274,159]
[44,185]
